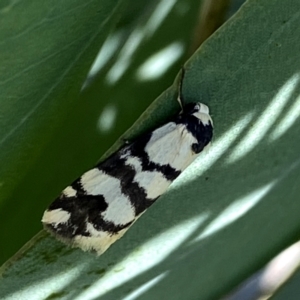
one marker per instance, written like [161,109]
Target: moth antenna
[180,95]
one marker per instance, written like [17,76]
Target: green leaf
[290,289]
[232,210]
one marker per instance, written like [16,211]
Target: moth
[101,205]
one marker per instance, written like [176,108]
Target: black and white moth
[100,206]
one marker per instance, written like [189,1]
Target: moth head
[200,111]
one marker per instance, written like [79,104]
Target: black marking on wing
[138,149]
[82,209]
[77,186]
[116,167]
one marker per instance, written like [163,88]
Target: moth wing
[171,145]
[100,206]
[92,213]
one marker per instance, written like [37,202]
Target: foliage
[230,212]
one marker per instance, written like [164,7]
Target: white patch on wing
[154,183]
[98,241]
[89,176]
[119,210]
[56,216]
[69,192]
[171,144]
[135,163]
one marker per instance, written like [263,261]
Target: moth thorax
[202,113]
